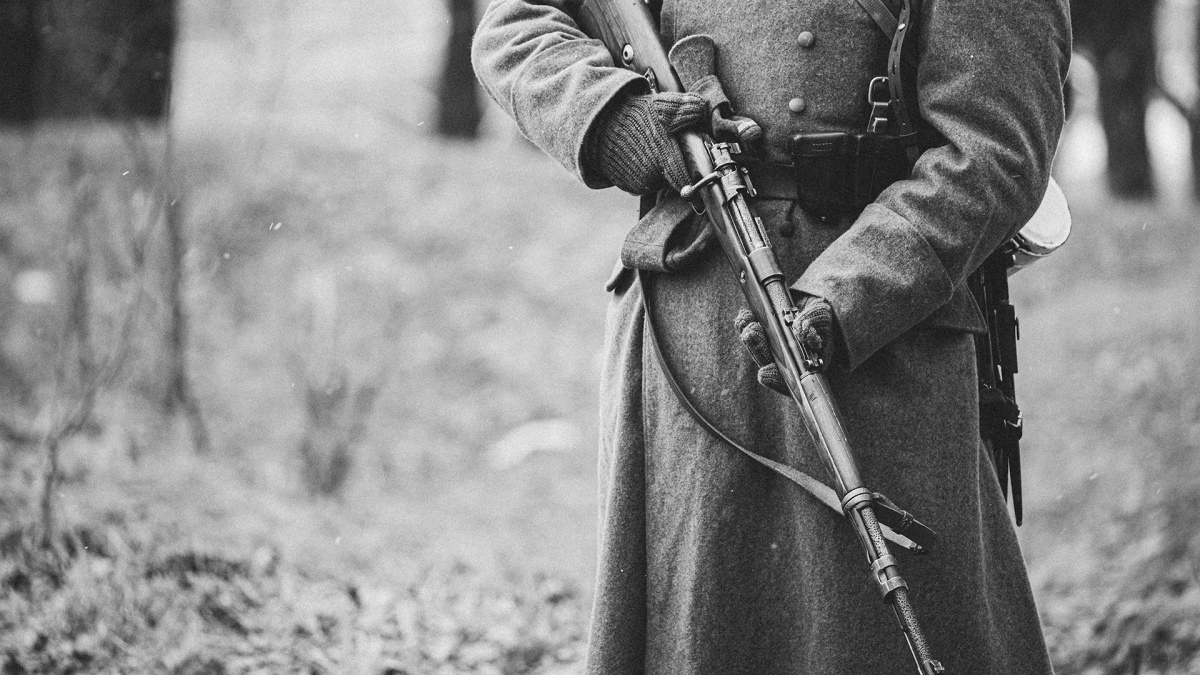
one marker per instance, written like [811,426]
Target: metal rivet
[627,54]
[797,105]
[806,39]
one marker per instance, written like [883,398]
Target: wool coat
[709,563]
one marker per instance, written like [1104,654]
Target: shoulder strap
[882,16]
[904,125]
[896,29]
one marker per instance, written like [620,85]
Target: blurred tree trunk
[19,50]
[1126,61]
[180,397]
[76,384]
[1180,469]
[459,111]
[72,59]
[1120,35]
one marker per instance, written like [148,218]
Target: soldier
[709,563]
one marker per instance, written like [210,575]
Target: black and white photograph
[600,337]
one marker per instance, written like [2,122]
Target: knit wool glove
[816,331]
[633,143]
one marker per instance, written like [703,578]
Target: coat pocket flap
[666,238]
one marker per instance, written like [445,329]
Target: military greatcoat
[710,564]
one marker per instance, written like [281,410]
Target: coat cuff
[589,87]
[881,277]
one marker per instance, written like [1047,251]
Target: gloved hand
[633,143]
[816,332]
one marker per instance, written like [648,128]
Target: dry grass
[429,278]
[113,602]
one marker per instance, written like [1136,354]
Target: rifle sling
[899,526]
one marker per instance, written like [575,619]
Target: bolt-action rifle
[628,30]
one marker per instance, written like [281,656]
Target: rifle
[628,30]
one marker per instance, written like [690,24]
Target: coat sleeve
[533,60]
[990,81]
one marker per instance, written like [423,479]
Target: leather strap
[881,15]
[897,524]
[886,21]
[904,126]
[896,30]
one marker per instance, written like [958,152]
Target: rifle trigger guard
[652,79]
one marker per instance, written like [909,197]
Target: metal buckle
[880,98]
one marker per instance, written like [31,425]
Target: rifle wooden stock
[628,31]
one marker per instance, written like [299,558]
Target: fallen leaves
[154,608]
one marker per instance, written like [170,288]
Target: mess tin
[1045,232]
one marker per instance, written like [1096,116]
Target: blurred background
[299,349]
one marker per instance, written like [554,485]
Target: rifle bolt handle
[689,191]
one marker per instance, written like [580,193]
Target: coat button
[797,105]
[806,39]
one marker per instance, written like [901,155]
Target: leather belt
[835,173]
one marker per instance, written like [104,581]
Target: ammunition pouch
[834,173]
[839,173]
